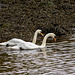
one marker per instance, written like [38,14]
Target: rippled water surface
[57,59]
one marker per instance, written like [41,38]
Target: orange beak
[42,34]
[54,39]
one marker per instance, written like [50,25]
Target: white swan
[15,41]
[30,45]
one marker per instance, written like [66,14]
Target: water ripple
[57,59]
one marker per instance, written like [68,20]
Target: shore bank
[20,19]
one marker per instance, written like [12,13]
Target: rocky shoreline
[20,19]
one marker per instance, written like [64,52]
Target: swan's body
[26,45]
[29,45]
[15,41]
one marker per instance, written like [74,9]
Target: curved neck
[44,41]
[34,38]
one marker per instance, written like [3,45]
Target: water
[57,59]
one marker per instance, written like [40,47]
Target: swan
[15,41]
[30,45]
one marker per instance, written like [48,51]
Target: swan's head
[52,35]
[40,32]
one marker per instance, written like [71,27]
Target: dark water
[57,59]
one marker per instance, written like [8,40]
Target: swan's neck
[44,41]
[35,37]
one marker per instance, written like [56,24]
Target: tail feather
[2,44]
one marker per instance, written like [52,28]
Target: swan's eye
[55,36]
[40,31]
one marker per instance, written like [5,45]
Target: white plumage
[16,41]
[30,45]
